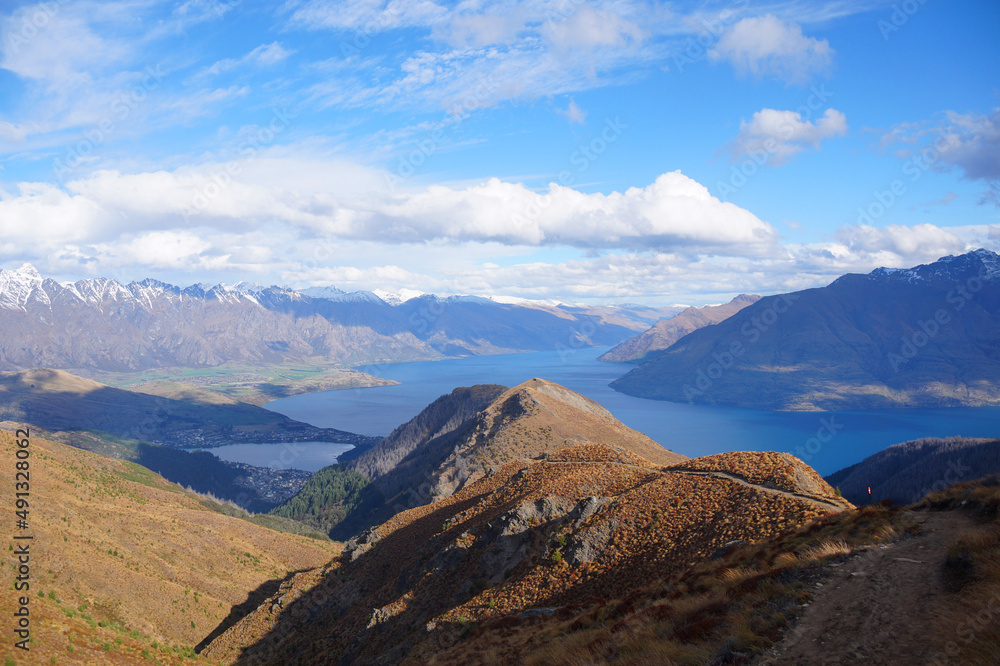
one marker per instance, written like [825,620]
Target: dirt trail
[824,503]
[877,607]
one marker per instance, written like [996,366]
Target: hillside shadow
[253,600]
[375,579]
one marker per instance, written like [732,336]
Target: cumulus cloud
[768,46]
[780,135]
[305,222]
[672,211]
[656,277]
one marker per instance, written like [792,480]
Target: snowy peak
[250,288]
[980,263]
[398,297]
[20,287]
[329,293]
[28,270]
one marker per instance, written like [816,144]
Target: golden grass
[828,548]
[729,609]
[119,545]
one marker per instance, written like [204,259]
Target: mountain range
[666,332]
[928,336]
[101,324]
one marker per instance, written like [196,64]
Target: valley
[504,332]
[526,520]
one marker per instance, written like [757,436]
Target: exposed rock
[726,549]
[361,544]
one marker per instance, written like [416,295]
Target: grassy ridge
[129,568]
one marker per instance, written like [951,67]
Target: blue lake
[689,429]
[308,456]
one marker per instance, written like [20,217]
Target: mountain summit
[460,438]
[927,336]
[545,500]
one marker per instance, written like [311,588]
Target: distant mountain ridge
[928,336]
[905,473]
[101,324]
[666,332]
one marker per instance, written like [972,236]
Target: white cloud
[281,221]
[768,46]
[898,244]
[60,52]
[674,211]
[975,147]
[967,142]
[573,113]
[285,218]
[367,16]
[779,135]
[157,249]
[11,132]
[197,11]
[264,55]
[589,28]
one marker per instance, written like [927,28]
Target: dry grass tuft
[827,548]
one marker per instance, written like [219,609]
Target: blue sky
[601,152]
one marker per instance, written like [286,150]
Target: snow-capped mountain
[398,297]
[99,323]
